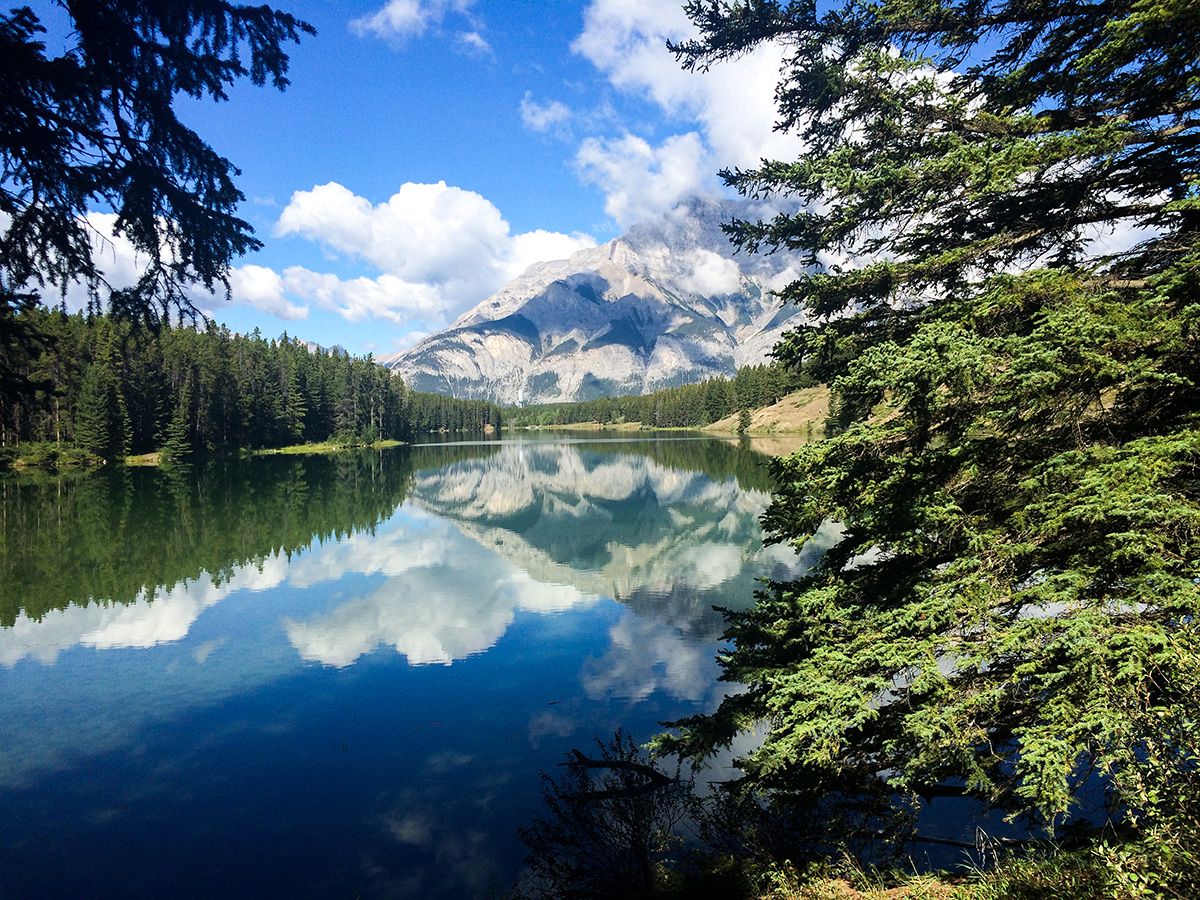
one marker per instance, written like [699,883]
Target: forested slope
[687,406]
[109,387]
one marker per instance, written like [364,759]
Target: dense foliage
[1012,609]
[686,406]
[112,387]
[93,126]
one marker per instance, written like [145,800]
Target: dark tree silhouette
[95,128]
[605,834]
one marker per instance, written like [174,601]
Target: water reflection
[126,537]
[444,596]
[132,559]
[487,532]
[543,529]
[148,619]
[360,662]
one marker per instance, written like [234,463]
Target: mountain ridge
[667,303]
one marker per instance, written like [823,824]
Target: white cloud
[118,263]
[263,289]
[423,232]
[1116,237]
[441,249]
[113,253]
[626,40]
[734,102]
[158,617]
[711,274]
[474,42]
[446,598]
[399,20]
[733,107]
[121,266]
[647,656]
[540,245]
[356,299]
[640,181]
[542,117]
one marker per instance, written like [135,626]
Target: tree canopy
[107,387]
[95,128]
[1001,206]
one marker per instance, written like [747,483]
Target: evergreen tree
[96,125]
[178,445]
[99,427]
[1013,606]
[294,406]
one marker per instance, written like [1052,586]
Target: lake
[341,676]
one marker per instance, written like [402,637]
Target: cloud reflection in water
[545,529]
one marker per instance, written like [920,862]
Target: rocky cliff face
[668,303]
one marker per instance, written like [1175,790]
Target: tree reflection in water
[607,835]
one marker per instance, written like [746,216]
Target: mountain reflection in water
[543,529]
[194,648]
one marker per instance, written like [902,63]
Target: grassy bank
[800,412]
[46,457]
[593,426]
[322,447]
[1099,871]
[41,457]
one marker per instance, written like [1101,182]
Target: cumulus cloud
[356,299]
[732,106]
[542,117]
[734,102]
[422,232]
[540,245]
[626,40]
[441,249]
[263,289]
[121,266]
[640,181]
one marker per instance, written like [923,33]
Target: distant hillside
[666,304]
[687,406]
[798,413]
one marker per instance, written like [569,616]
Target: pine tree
[178,445]
[100,427]
[1013,605]
[99,127]
[294,406]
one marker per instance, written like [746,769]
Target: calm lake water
[340,677]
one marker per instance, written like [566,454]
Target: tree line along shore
[107,389]
[104,389]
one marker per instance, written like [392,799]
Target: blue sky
[428,150]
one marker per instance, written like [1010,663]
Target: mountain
[668,303]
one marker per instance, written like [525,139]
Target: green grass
[323,447]
[46,456]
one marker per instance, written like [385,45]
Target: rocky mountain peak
[667,303]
